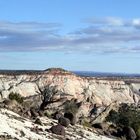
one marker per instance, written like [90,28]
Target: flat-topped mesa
[55,71]
[52,71]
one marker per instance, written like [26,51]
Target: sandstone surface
[89,90]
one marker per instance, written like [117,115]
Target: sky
[78,35]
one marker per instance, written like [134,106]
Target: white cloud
[136,22]
[107,35]
[110,21]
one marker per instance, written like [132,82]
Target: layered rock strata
[89,90]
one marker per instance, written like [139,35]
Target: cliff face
[88,90]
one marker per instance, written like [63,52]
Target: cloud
[112,21]
[136,23]
[28,36]
[106,35]
[28,25]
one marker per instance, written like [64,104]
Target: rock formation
[15,127]
[88,90]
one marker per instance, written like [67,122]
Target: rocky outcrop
[102,116]
[15,127]
[88,90]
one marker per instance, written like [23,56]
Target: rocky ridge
[86,90]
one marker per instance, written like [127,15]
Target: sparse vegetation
[127,116]
[86,123]
[48,92]
[48,114]
[16,96]
[71,107]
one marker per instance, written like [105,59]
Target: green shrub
[71,106]
[16,96]
[127,115]
[48,114]
[113,117]
[136,126]
[86,123]
[138,132]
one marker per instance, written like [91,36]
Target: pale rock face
[136,87]
[87,90]
[21,128]
[26,89]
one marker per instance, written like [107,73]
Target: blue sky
[88,35]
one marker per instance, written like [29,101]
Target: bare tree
[47,93]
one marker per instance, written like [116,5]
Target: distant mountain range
[80,73]
[104,74]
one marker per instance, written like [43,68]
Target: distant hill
[63,71]
[104,74]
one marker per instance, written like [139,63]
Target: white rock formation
[13,126]
[89,90]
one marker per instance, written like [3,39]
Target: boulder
[58,130]
[71,117]
[129,133]
[57,115]
[64,121]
